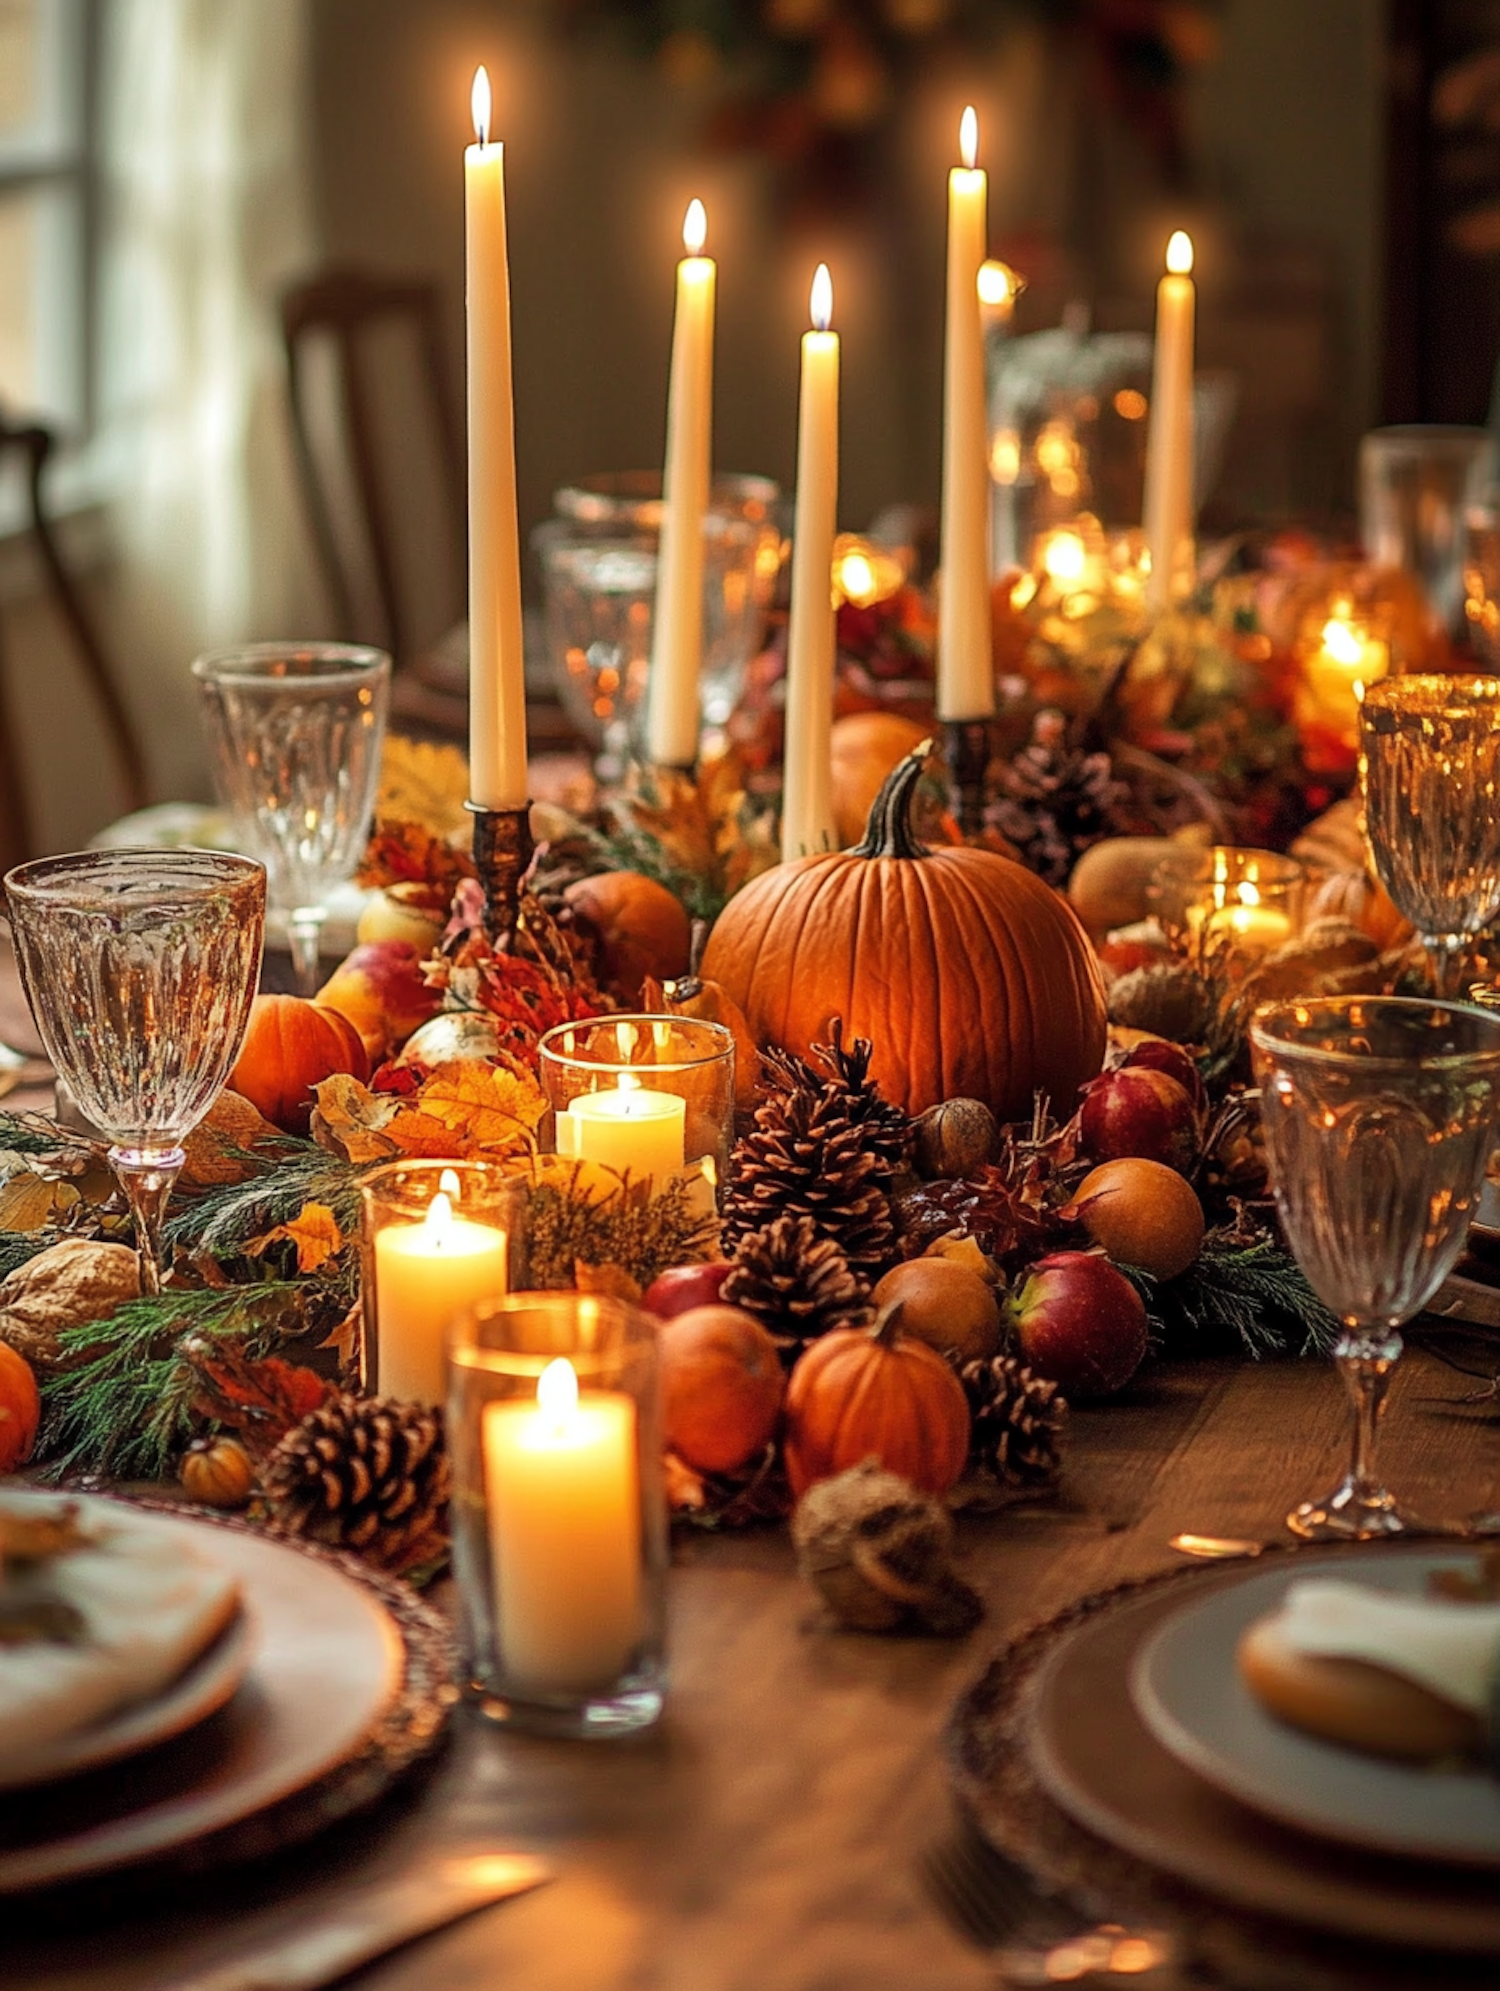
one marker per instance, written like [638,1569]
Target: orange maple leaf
[315,1232]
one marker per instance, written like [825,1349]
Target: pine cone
[1055,800]
[363,1473]
[805,1156]
[796,1283]
[1018,1418]
[888,1131]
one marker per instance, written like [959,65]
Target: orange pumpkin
[20,1409]
[973,978]
[722,1385]
[865,747]
[1364,902]
[873,1392]
[291,1046]
[642,928]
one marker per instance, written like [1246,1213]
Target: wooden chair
[32,444]
[346,309]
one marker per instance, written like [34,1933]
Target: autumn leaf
[33,1197]
[315,1232]
[344,1339]
[350,1120]
[261,1400]
[489,1101]
[426,782]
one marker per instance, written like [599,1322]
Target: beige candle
[807,792]
[497,686]
[1169,509]
[627,1128]
[426,1275]
[965,671]
[672,714]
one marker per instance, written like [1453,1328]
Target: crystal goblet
[140,967]
[296,730]
[1379,1116]
[1430,762]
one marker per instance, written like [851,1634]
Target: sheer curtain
[206,212]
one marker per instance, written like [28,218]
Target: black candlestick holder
[503,851]
[966,746]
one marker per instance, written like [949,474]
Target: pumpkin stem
[697,942]
[889,831]
[887,1324]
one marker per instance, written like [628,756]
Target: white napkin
[1452,1649]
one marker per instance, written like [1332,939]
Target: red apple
[1137,1111]
[682,1287]
[379,988]
[722,1384]
[1159,1054]
[1080,1322]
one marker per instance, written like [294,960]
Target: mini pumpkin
[865,746]
[217,1472]
[875,1393]
[292,1045]
[1364,902]
[973,978]
[20,1409]
[641,928]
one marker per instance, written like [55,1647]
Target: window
[45,184]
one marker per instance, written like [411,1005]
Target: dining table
[774,1830]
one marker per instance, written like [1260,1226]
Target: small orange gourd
[875,1393]
[20,1409]
[971,977]
[292,1045]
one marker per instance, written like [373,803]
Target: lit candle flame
[449,1184]
[1249,895]
[857,579]
[1341,643]
[695,228]
[822,299]
[557,1392]
[968,137]
[997,283]
[440,1212]
[1180,253]
[479,104]
[1065,557]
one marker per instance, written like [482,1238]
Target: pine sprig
[1245,1295]
[35,1134]
[640,1232]
[18,1248]
[221,1220]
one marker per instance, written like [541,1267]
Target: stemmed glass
[1379,1115]
[1430,758]
[140,967]
[296,730]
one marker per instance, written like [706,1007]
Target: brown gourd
[971,977]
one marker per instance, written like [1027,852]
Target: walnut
[65,1285]
[231,1122]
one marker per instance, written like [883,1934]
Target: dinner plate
[1188,1692]
[328,1663]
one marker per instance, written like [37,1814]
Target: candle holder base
[966,747]
[600,1717]
[503,849]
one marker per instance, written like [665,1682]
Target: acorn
[954,1138]
[217,1472]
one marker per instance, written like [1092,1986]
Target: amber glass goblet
[1379,1116]
[140,967]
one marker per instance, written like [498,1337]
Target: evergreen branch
[1247,1294]
[35,1134]
[17,1248]
[223,1219]
[641,1233]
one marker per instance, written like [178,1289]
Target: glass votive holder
[559,1513]
[647,1096]
[1230,903]
[439,1238]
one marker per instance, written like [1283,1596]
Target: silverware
[362,1923]
[1215,1548]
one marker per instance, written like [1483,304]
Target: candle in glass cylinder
[965,670]
[672,717]
[426,1275]
[627,1128]
[807,792]
[1169,442]
[564,1503]
[497,687]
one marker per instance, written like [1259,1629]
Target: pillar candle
[426,1275]
[497,685]
[672,718]
[624,1128]
[563,1495]
[965,672]
[1169,444]
[807,793]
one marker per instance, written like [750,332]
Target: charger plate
[1052,1760]
[350,1683]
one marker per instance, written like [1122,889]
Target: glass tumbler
[559,1512]
[296,732]
[1233,903]
[1417,485]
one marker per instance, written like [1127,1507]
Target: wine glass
[296,730]
[1379,1115]
[1431,768]
[140,967]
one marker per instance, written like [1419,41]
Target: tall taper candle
[497,685]
[1169,445]
[965,672]
[672,716]
[807,783]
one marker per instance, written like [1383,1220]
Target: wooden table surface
[767,1835]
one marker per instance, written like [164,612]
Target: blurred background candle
[807,792]
[564,1503]
[426,1274]
[672,715]
[1169,445]
[497,687]
[965,673]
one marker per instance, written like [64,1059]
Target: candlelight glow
[557,1392]
[1341,643]
[1180,253]
[998,283]
[439,1218]
[968,137]
[1065,557]
[1249,894]
[864,572]
[449,1184]
[479,104]
[822,299]
[695,228]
